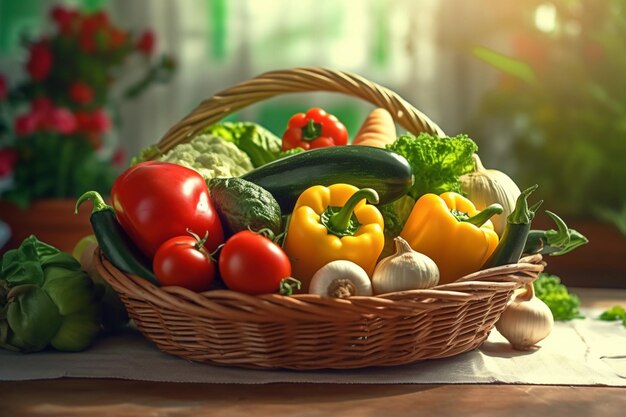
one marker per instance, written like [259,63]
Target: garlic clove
[341,279]
[526,320]
[405,270]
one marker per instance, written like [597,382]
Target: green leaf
[613,314]
[32,317]
[70,291]
[78,330]
[437,163]
[507,64]
[22,265]
[550,290]
[261,145]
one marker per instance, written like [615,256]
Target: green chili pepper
[511,244]
[554,242]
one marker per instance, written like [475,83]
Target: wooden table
[106,397]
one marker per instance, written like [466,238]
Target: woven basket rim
[313,307]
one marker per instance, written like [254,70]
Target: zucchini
[388,173]
[113,240]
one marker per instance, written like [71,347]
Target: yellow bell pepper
[331,223]
[452,232]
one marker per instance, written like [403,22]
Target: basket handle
[307,79]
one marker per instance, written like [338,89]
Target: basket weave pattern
[307,331]
[310,332]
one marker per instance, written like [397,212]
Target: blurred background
[537,84]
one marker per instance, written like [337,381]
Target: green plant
[563,304]
[55,124]
[562,96]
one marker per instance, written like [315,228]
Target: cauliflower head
[211,157]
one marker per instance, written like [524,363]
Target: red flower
[146,42]
[117,37]
[91,28]
[44,116]
[81,93]
[26,124]
[83,121]
[40,61]
[8,159]
[61,120]
[100,121]
[41,105]
[119,158]
[87,41]
[3,88]
[95,122]
[66,19]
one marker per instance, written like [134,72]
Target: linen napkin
[580,352]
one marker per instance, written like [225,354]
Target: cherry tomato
[252,264]
[184,261]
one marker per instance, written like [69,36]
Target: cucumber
[388,173]
[242,204]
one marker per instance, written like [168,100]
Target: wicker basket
[307,331]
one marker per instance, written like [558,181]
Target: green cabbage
[46,299]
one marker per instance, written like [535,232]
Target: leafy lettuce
[437,163]
[261,145]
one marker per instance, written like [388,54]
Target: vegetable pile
[239,208]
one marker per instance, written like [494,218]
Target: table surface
[106,397]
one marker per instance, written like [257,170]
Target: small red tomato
[184,261]
[252,264]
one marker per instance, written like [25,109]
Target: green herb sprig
[614,313]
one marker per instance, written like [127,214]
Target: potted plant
[56,125]
[561,96]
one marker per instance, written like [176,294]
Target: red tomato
[252,264]
[155,201]
[181,262]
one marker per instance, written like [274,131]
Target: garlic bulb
[340,279]
[404,270]
[526,320]
[487,186]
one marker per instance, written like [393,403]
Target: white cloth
[581,352]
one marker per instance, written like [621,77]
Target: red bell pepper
[314,129]
[155,201]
